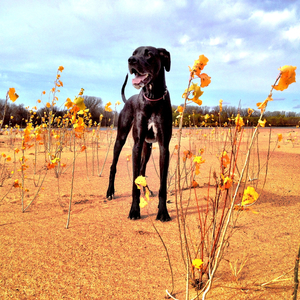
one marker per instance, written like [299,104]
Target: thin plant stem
[72,183]
[37,191]
[296,280]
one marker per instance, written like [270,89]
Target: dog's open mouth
[140,80]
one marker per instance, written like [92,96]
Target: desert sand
[105,255]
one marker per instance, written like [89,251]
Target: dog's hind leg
[124,126]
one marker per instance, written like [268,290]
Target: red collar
[163,97]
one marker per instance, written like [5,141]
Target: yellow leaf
[288,76]
[69,103]
[262,123]
[179,109]
[279,137]
[205,80]
[198,66]
[107,107]
[12,94]
[250,196]
[143,202]
[195,90]
[79,101]
[197,263]
[199,160]
[140,180]
[250,111]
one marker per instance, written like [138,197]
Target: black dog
[150,115]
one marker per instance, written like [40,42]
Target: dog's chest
[151,136]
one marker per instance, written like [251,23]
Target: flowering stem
[72,183]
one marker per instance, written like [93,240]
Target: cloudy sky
[246,42]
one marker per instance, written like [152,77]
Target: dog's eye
[148,53]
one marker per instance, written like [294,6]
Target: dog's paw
[163,216]
[110,194]
[134,215]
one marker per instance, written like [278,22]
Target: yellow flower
[118,103]
[279,137]
[288,76]
[61,68]
[250,196]
[197,263]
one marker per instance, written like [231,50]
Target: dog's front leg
[136,165]
[163,214]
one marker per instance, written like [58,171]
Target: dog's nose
[132,60]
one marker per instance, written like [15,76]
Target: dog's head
[146,63]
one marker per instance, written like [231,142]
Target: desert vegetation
[218,172]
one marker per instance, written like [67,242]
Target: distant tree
[95,106]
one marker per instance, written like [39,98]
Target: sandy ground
[104,255]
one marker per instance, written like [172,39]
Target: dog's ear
[166,58]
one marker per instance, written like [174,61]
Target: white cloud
[273,18]
[215,41]
[292,34]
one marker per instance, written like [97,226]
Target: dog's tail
[123,89]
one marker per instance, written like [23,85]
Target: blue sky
[246,42]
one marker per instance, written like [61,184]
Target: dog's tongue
[138,79]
